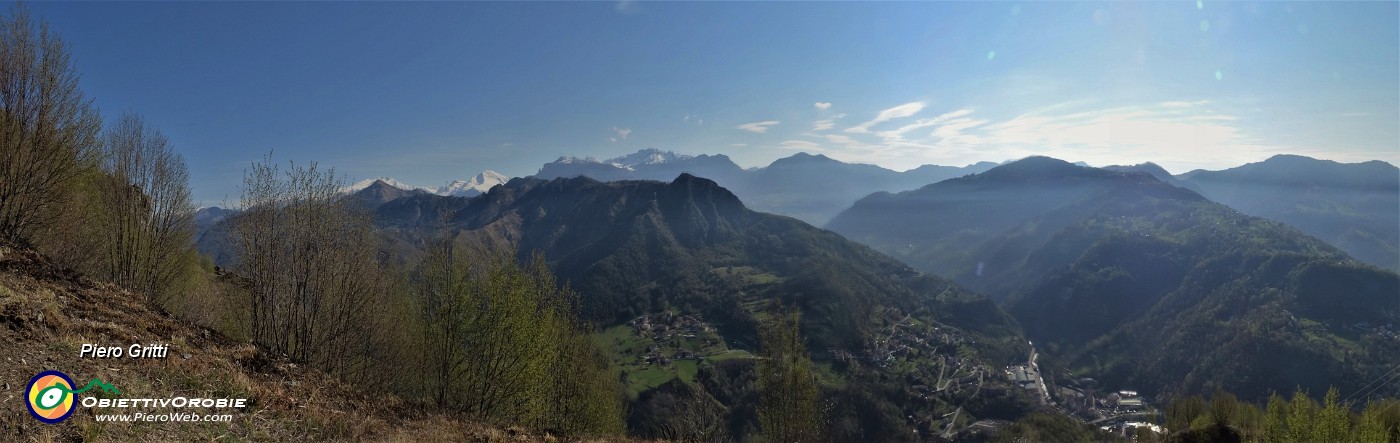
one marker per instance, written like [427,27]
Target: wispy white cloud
[954,128]
[1180,133]
[901,111]
[799,144]
[847,141]
[758,127]
[827,123]
[822,105]
[1165,132]
[739,145]
[898,134]
[620,134]
[1180,104]
[692,118]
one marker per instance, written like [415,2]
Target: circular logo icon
[50,396]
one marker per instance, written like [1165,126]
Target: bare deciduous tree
[147,214]
[311,259]
[48,129]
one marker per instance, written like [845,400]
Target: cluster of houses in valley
[1083,399]
[669,331]
[1122,412]
[1387,330]
[903,340]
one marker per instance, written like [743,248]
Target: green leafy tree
[585,393]
[444,301]
[1276,419]
[1372,427]
[502,344]
[509,332]
[1333,421]
[1182,412]
[1223,408]
[788,394]
[1300,418]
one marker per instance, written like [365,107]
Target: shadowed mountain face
[213,233]
[812,188]
[937,228]
[381,192]
[1353,206]
[1141,284]
[692,248]
[636,247]
[632,247]
[1158,173]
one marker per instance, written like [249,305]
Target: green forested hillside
[1144,285]
[688,255]
[1355,206]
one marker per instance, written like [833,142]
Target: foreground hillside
[47,313]
[1144,285]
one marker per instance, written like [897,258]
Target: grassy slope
[46,313]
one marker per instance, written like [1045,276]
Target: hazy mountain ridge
[809,187]
[1157,172]
[1354,206]
[1107,269]
[206,217]
[934,227]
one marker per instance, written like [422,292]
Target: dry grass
[47,313]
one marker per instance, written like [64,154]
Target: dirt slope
[47,313]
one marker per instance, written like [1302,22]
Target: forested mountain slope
[1144,284]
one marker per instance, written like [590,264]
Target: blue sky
[429,92]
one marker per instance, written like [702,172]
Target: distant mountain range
[1139,283]
[472,187]
[811,188]
[1353,206]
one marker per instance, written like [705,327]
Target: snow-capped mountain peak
[357,186]
[649,156]
[475,186]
